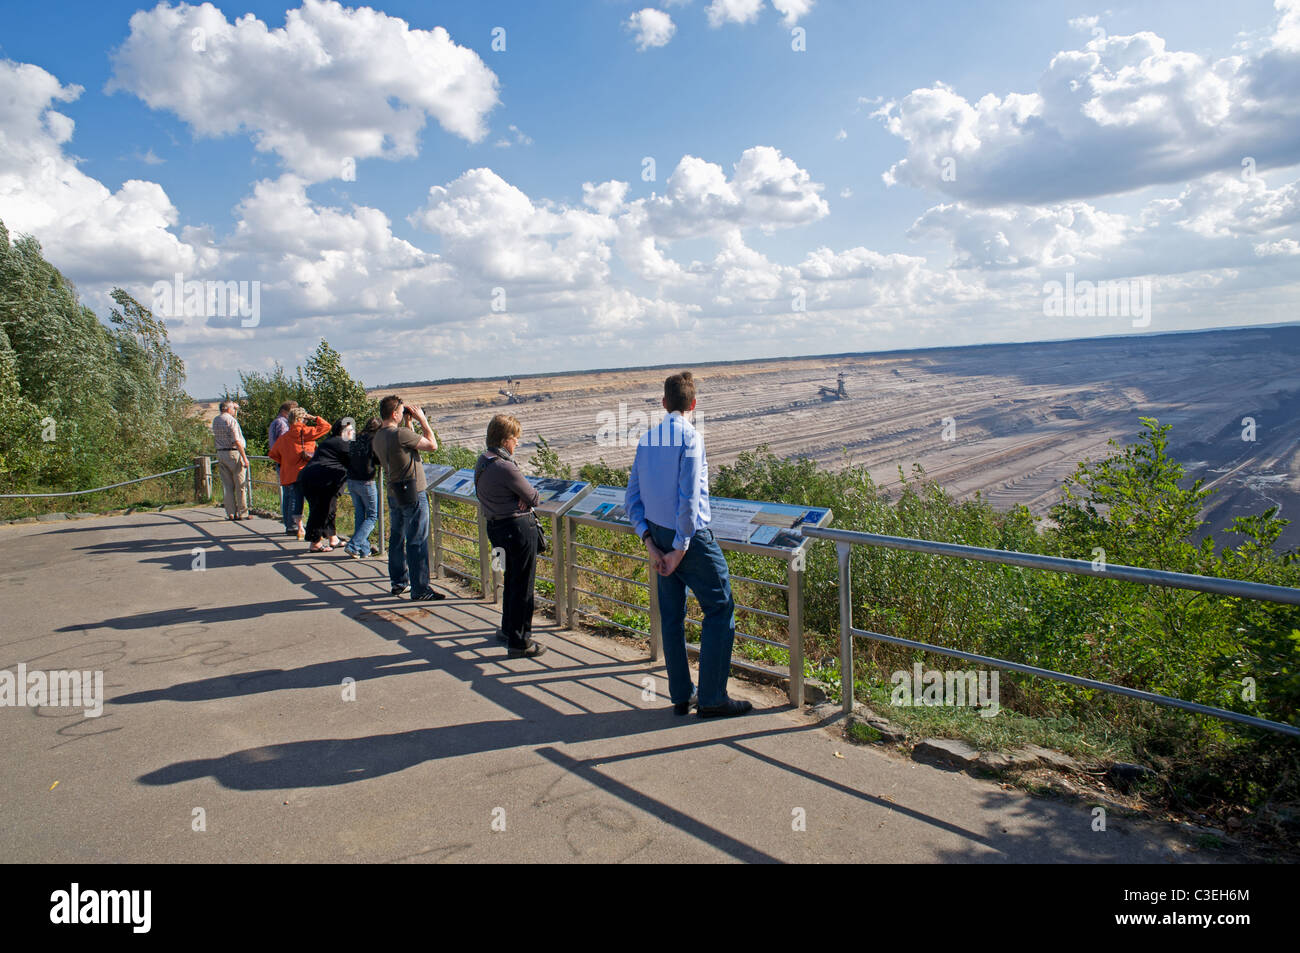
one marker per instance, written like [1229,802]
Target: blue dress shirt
[669,481]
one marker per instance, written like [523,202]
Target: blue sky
[799,203]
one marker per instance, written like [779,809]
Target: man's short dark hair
[388,406]
[287,406]
[679,391]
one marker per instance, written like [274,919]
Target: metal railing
[567,570]
[792,589]
[845,540]
[98,489]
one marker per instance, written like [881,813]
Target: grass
[863,733]
[1088,741]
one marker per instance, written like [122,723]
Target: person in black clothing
[507,500]
[363,467]
[321,480]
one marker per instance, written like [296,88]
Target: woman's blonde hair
[297,415]
[501,428]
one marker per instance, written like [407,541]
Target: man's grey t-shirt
[395,448]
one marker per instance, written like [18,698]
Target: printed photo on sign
[460,483]
[556,492]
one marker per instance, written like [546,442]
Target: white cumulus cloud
[733,11]
[90,231]
[652,28]
[1122,113]
[792,10]
[333,84]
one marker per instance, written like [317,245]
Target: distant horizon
[673,365]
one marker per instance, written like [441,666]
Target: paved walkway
[226,706]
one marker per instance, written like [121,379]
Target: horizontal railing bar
[771,615]
[762,582]
[464,575]
[468,539]
[608,621]
[98,489]
[609,575]
[746,636]
[597,595]
[757,638]
[612,552]
[446,550]
[453,516]
[1084,682]
[1078,567]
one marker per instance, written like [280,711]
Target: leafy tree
[334,393]
[260,397]
[19,424]
[1131,504]
[325,388]
[82,403]
[546,461]
[462,458]
[602,474]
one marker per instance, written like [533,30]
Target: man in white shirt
[232,460]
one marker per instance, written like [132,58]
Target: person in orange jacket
[292,452]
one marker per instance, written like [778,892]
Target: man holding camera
[398,448]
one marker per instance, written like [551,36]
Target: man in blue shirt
[668,505]
[279,427]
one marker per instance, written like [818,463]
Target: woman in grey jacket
[507,500]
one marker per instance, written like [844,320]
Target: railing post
[570,578]
[559,548]
[656,620]
[843,551]
[248,488]
[794,609]
[435,535]
[382,489]
[486,578]
[203,479]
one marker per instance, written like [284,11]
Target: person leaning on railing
[292,452]
[362,469]
[507,500]
[232,460]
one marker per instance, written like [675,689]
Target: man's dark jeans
[704,571]
[291,500]
[517,539]
[408,545]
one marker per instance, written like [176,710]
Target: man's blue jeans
[704,571]
[365,514]
[291,500]
[408,545]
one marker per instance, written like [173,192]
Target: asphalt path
[276,706]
